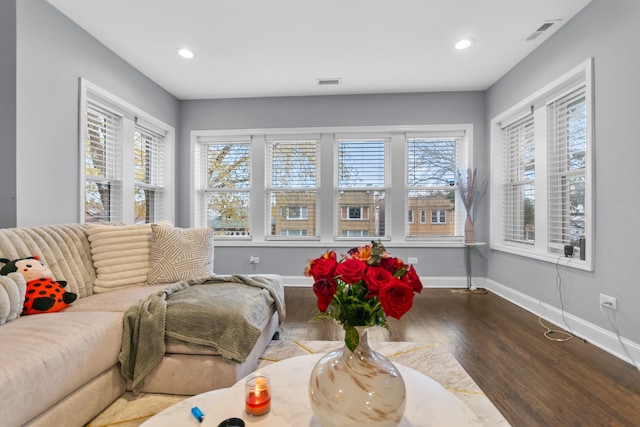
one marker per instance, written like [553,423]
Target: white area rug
[430,359]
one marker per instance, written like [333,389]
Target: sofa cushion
[45,358]
[120,255]
[64,248]
[118,301]
[180,254]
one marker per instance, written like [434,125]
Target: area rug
[430,359]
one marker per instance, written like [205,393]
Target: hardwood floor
[532,380]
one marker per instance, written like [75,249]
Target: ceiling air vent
[325,82]
[544,27]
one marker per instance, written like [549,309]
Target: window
[148,169]
[267,184]
[102,165]
[362,176]
[224,186]
[432,162]
[438,216]
[292,187]
[543,176]
[124,154]
[519,188]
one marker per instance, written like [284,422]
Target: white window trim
[91,91]
[397,195]
[580,75]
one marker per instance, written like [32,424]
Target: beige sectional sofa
[62,368]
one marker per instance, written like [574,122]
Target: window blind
[519,189]
[362,177]
[103,165]
[292,187]
[225,184]
[432,161]
[567,146]
[148,170]
[362,163]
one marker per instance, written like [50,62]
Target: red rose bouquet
[362,288]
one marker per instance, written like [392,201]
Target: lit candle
[257,395]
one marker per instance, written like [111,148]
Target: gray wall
[607,31]
[53,53]
[319,111]
[7,113]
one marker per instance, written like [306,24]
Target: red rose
[396,298]
[391,264]
[412,279]
[324,290]
[323,267]
[377,278]
[351,270]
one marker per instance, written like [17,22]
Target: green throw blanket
[220,312]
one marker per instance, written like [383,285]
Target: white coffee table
[428,403]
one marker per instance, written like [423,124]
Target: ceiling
[259,48]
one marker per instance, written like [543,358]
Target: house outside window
[410,216]
[423,216]
[542,185]
[124,152]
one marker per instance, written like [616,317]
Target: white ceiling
[256,48]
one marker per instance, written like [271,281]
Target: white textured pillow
[180,254]
[12,291]
[120,255]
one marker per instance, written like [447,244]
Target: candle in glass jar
[257,394]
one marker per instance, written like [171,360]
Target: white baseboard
[594,334]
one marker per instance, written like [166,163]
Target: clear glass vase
[359,388]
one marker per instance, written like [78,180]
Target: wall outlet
[254,260]
[412,260]
[608,302]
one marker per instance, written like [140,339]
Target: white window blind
[519,187]
[362,177]
[292,187]
[102,165]
[148,170]
[224,184]
[432,162]
[567,145]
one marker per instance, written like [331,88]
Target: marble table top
[428,403]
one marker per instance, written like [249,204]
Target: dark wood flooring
[531,380]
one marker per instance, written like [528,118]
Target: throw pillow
[12,291]
[180,254]
[120,254]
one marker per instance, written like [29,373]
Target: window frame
[132,118]
[396,196]
[536,104]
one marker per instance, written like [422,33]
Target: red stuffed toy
[44,295]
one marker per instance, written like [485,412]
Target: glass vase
[359,388]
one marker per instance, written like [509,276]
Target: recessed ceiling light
[464,43]
[186,53]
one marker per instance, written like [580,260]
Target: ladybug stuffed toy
[44,295]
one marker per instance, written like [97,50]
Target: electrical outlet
[608,302]
[412,260]
[254,260]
